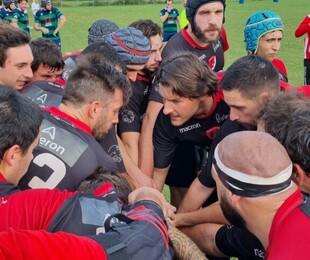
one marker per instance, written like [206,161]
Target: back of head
[251,75]
[259,24]
[44,3]
[194,80]
[93,82]
[100,29]
[130,43]
[101,52]
[102,175]
[252,164]
[147,27]
[46,52]
[193,5]
[7,3]
[11,37]
[287,118]
[20,120]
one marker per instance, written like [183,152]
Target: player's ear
[11,155]
[94,109]
[298,174]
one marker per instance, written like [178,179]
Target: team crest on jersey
[42,98]
[211,133]
[115,153]
[127,116]
[212,62]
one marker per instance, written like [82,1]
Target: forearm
[184,247]
[164,17]
[160,177]
[131,143]
[61,23]
[146,153]
[210,214]
[139,179]
[204,237]
[196,195]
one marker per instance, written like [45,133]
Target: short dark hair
[92,82]
[251,75]
[102,175]
[188,76]
[46,52]
[11,37]
[287,117]
[147,27]
[20,120]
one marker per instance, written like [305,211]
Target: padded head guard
[130,43]
[257,25]
[100,29]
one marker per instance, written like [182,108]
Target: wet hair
[188,76]
[251,75]
[92,82]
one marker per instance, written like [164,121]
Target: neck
[259,218]
[205,106]
[194,37]
[77,113]
[8,175]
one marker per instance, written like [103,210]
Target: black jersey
[130,117]
[213,54]
[228,128]
[44,93]
[198,131]
[66,154]
[110,145]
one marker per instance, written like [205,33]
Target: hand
[148,193]
[44,30]
[55,32]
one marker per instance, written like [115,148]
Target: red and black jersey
[197,131]
[66,154]
[226,129]
[213,54]
[130,117]
[44,93]
[290,229]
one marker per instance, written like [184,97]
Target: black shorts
[239,242]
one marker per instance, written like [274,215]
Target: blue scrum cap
[257,25]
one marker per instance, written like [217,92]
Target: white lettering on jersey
[189,128]
[221,118]
[42,98]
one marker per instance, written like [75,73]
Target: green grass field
[74,34]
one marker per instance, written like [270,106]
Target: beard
[231,214]
[199,33]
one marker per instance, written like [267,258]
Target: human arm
[164,14]
[204,235]
[210,214]
[303,28]
[184,247]
[139,179]
[146,153]
[30,244]
[131,143]
[62,21]
[179,22]
[38,27]
[196,195]
[159,177]
[147,193]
